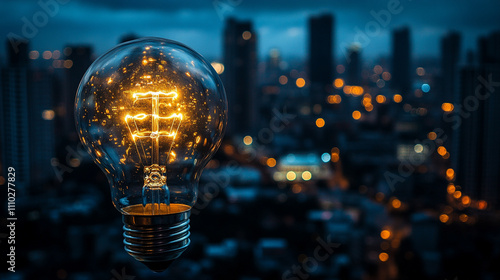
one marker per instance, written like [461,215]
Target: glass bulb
[151,112]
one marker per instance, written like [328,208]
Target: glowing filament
[173,121]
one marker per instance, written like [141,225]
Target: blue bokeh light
[325,157]
[426,87]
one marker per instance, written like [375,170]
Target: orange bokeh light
[397,98]
[383,257]
[385,234]
[300,82]
[356,115]
[338,83]
[447,107]
[320,122]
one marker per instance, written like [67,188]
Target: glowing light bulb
[152,112]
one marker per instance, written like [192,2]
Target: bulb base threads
[157,240]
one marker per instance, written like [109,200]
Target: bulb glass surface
[151,112]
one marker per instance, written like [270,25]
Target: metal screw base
[156,241]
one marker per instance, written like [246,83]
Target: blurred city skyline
[381,149]
[279,24]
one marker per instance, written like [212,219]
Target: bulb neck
[156,240]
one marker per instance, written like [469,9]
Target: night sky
[280,24]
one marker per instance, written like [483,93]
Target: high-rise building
[272,68]
[14,121]
[354,65]
[490,68]
[479,151]
[401,61]
[240,76]
[18,57]
[80,58]
[471,136]
[488,48]
[450,56]
[321,56]
[490,148]
[42,125]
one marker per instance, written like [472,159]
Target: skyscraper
[320,56]
[490,68]
[354,66]
[450,55]
[42,125]
[491,148]
[14,121]
[401,61]
[488,48]
[478,168]
[273,68]
[471,135]
[240,76]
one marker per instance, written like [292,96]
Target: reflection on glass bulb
[152,112]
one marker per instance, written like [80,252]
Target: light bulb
[152,112]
